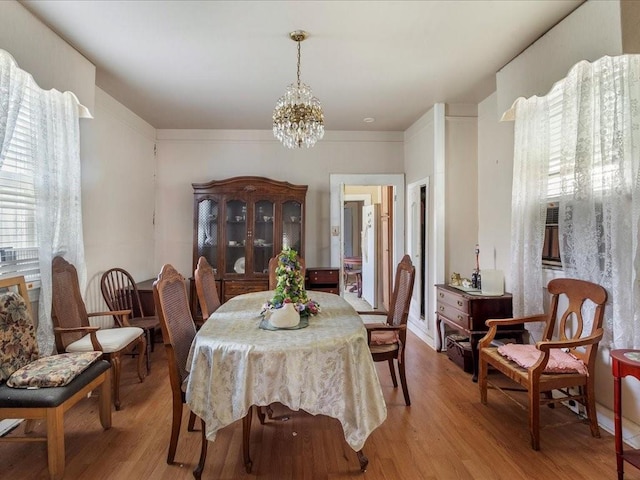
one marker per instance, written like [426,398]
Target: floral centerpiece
[290,286]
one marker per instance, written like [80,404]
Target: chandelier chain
[298,63]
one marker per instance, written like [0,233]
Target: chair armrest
[121,316]
[494,323]
[374,327]
[90,330]
[378,328]
[545,346]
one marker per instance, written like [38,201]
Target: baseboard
[630,430]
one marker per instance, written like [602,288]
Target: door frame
[414,248]
[337,183]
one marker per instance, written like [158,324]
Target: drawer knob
[459,303]
[441,308]
[460,317]
[441,295]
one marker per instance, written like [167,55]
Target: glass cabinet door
[235,236]
[292,225]
[208,232]
[263,236]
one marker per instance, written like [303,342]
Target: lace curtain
[54,144]
[530,173]
[599,204]
[600,200]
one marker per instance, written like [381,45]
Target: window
[551,245]
[18,243]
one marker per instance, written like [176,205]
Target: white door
[370,221]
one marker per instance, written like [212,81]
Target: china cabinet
[239,223]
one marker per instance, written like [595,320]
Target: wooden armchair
[208,297]
[549,368]
[74,333]
[178,330]
[387,341]
[62,380]
[121,294]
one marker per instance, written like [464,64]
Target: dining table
[323,367]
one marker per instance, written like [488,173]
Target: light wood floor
[445,434]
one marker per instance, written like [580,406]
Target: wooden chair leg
[192,422]
[115,369]
[176,422]
[142,367]
[149,340]
[392,369]
[55,442]
[403,382]
[104,401]
[482,380]
[534,416]
[29,425]
[197,472]
[590,404]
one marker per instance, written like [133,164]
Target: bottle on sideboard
[478,281]
[474,279]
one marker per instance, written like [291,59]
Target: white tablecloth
[325,368]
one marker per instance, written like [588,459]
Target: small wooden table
[624,362]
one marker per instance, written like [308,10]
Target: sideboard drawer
[317,275]
[454,315]
[453,299]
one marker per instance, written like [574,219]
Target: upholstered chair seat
[112,340]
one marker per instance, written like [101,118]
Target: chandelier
[298,120]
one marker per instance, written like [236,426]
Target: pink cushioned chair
[544,367]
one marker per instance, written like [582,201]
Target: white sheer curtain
[54,144]
[600,202]
[530,174]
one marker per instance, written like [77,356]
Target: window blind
[18,241]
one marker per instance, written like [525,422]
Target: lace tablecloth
[325,368]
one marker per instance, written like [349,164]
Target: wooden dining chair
[206,289]
[273,264]
[388,340]
[34,387]
[120,293]
[74,333]
[178,330]
[563,362]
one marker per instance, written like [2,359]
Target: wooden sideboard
[324,279]
[466,313]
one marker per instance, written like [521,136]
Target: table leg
[364,461]
[617,408]
[197,472]
[246,436]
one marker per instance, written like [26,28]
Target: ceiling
[223,64]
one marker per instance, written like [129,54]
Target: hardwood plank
[446,434]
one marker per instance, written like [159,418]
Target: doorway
[418,248]
[393,183]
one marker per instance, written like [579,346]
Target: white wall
[591,31]
[196,156]
[461,186]
[118,194]
[495,173]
